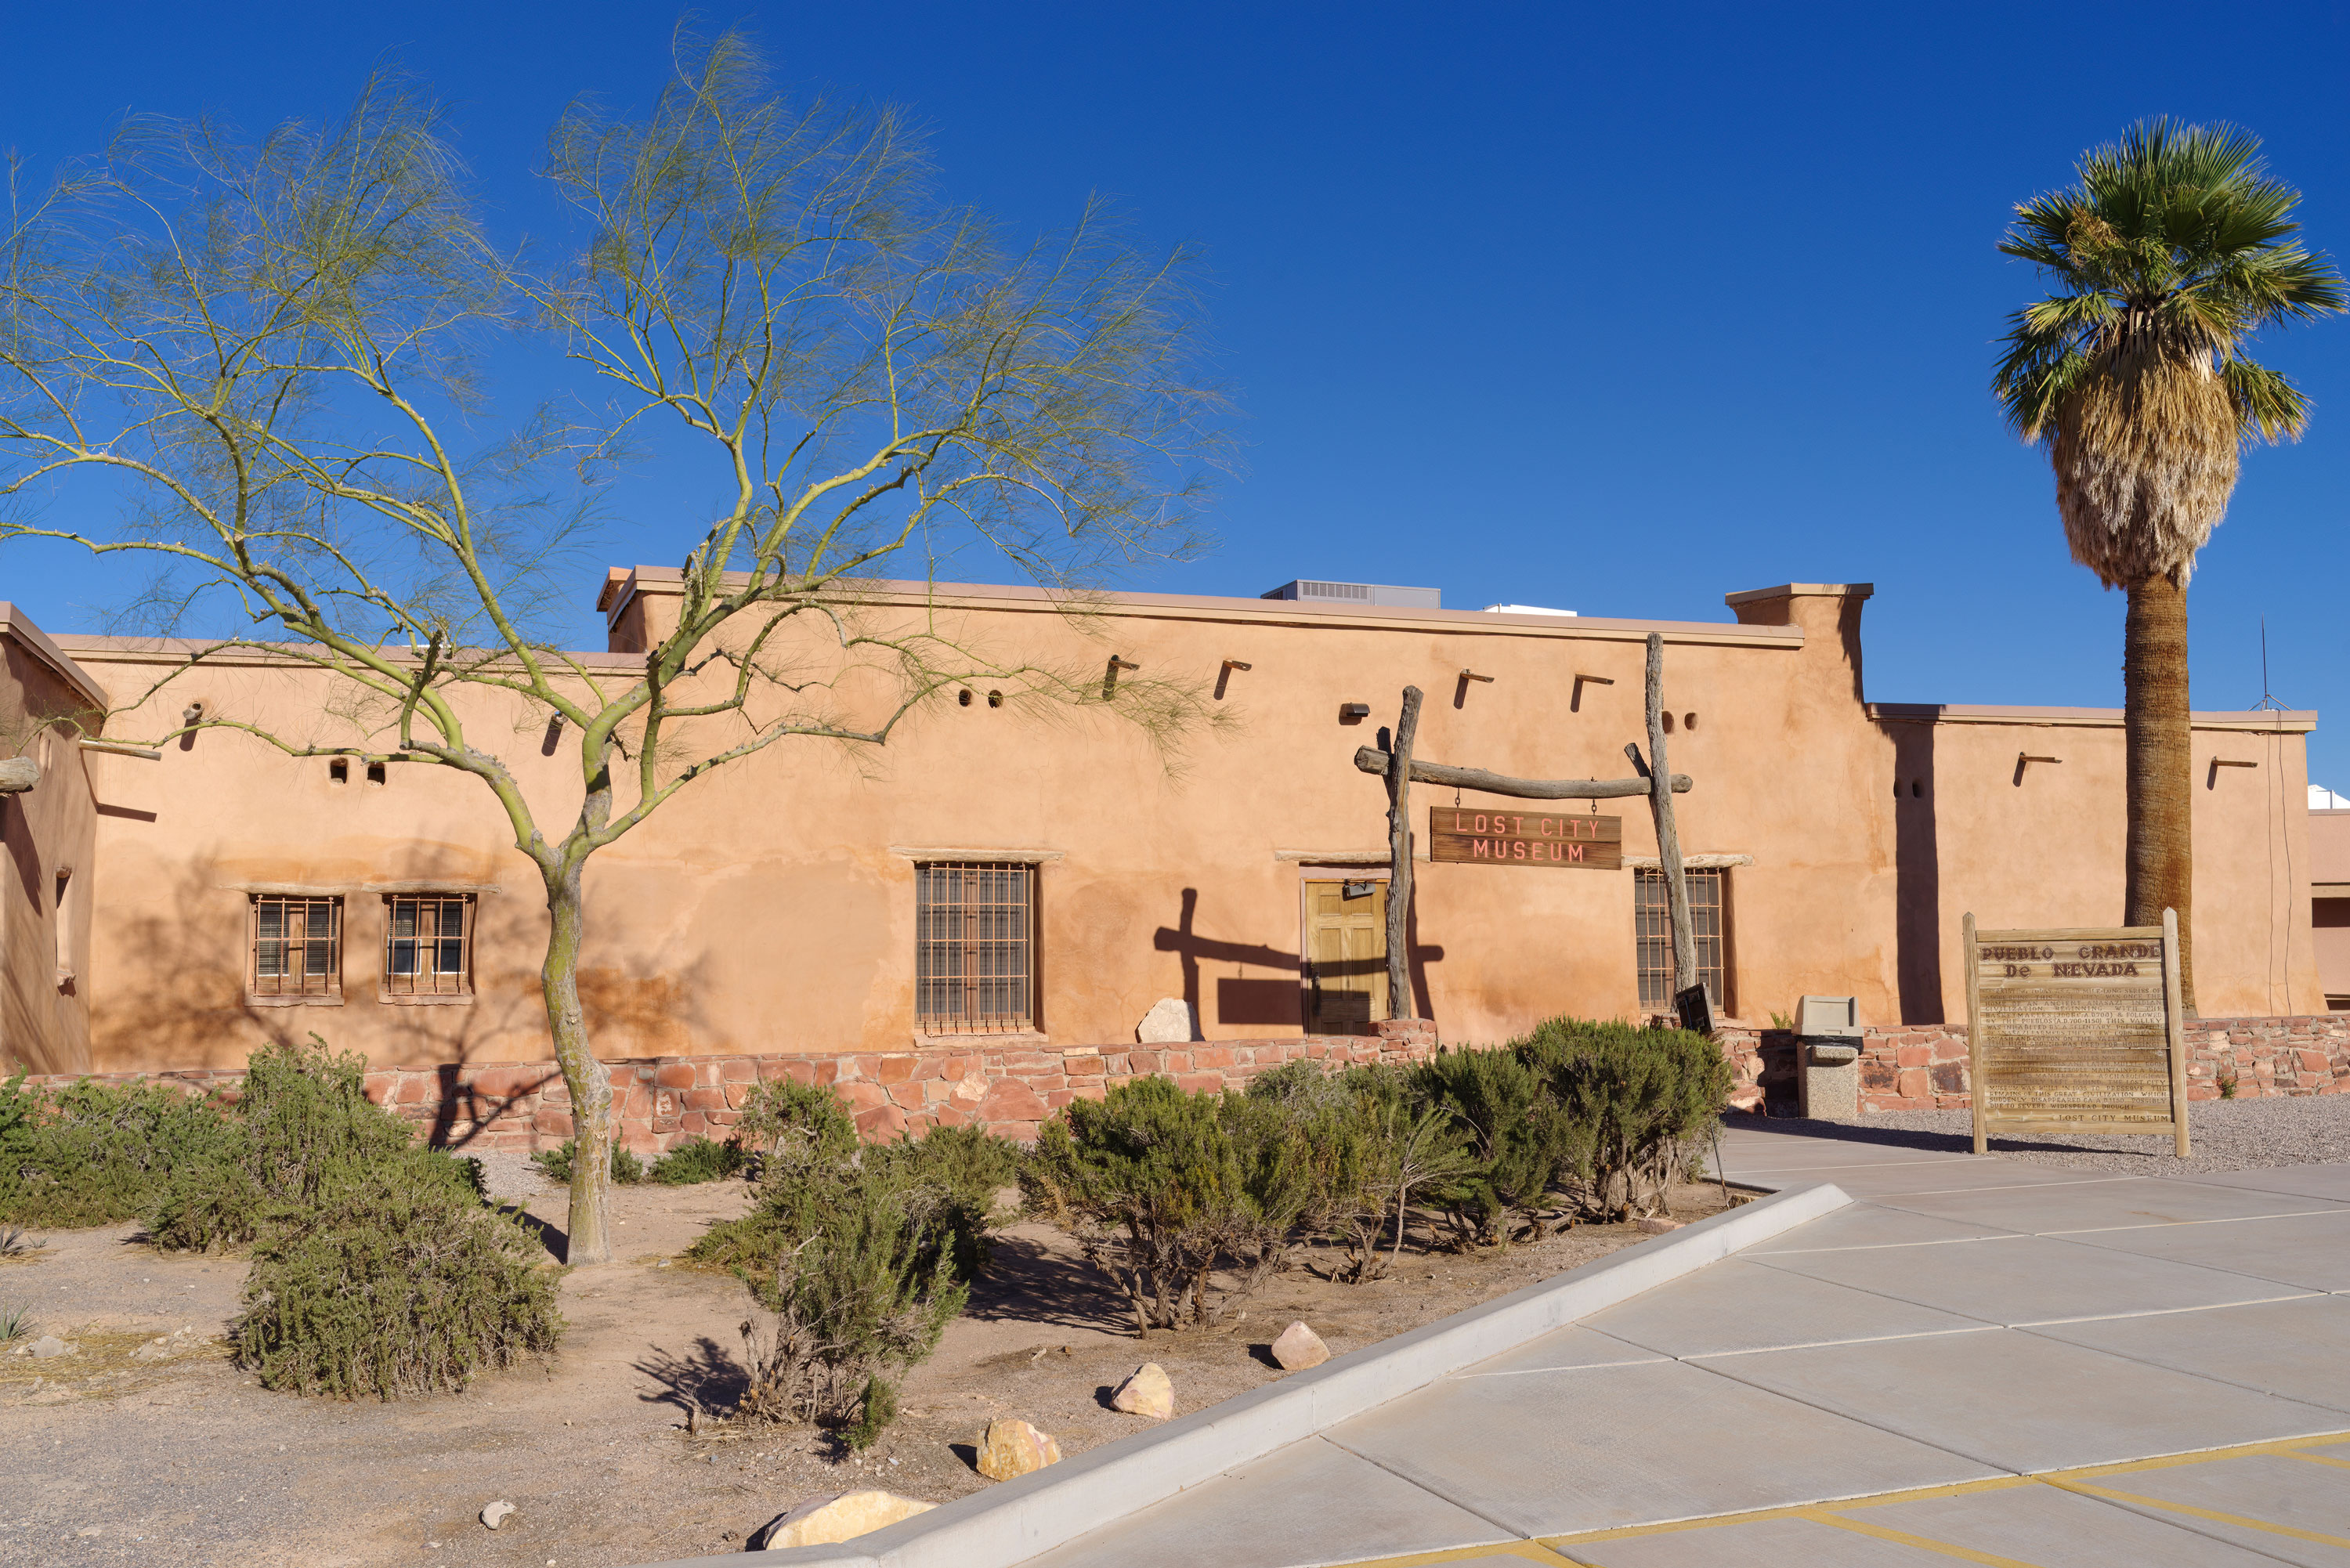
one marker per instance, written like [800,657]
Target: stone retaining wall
[1924,1066]
[1008,1088]
[1013,1087]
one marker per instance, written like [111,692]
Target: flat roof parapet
[1802,590]
[2256,720]
[1023,596]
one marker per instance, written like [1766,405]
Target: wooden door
[1346,956]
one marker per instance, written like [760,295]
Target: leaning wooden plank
[1978,1088]
[1370,759]
[2174,1009]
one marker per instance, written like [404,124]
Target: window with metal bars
[297,947]
[974,955]
[1652,927]
[428,944]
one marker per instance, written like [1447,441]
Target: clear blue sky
[1616,310]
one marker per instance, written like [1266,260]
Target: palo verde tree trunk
[2161,768]
[593,1129]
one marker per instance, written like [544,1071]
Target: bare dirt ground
[181,1458]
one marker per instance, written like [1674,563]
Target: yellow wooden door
[1346,956]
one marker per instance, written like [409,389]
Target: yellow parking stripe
[1531,1551]
[1922,1542]
[2320,1459]
[2190,1510]
[1839,1515]
[1799,1510]
[2201,1457]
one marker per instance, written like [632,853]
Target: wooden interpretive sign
[1525,837]
[2076,1031]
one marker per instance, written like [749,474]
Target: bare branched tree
[267,361]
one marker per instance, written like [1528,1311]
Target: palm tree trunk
[2161,769]
[592,1128]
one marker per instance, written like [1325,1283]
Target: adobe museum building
[971,922]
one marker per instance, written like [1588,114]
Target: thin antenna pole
[2268,699]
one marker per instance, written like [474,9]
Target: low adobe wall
[1008,1089]
[1924,1066]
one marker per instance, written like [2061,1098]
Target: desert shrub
[1362,1147]
[555,1164]
[401,1284]
[970,1158]
[698,1160]
[861,1275]
[1521,1139]
[780,1116]
[1646,1096]
[98,1153]
[1408,1147]
[15,1322]
[945,1183]
[304,1132]
[1157,1185]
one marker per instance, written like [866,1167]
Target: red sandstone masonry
[1924,1066]
[662,1100]
[1011,1090]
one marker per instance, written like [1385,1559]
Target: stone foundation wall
[1924,1066]
[1008,1088]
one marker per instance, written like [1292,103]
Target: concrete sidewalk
[1989,1352]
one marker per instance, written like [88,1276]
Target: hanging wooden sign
[1486,836]
[2076,1031]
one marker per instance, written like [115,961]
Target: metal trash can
[1828,1057]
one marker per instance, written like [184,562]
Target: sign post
[2076,1031]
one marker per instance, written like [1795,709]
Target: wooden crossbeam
[1375,762]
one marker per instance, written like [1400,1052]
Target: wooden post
[1978,1090]
[1399,856]
[1669,844]
[2175,1037]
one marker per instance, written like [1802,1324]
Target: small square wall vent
[1307,590]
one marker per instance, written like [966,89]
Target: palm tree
[2173,249]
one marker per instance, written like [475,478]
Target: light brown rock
[1657,1224]
[841,1516]
[1171,1021]
[1299,1348]
[1009,1449]
[1147,1391]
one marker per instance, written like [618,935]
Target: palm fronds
[2175,246]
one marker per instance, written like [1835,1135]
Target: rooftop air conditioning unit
[1308,591]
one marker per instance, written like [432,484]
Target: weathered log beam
[1373,760]
[1399,1001]
[1689,1000]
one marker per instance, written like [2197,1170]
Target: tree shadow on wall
[186,1005]
[1275,1002]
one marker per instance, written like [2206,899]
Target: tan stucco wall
[2329,866]
[770,907]
[2044,847]
[47,832]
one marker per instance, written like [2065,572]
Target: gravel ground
[2226,1134]
[509,1175]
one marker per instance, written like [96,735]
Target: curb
[1017,1519]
